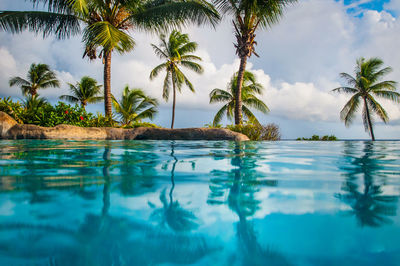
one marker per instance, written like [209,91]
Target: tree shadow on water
[363,187]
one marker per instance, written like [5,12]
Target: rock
[6,122]
[191,134]
[10,129]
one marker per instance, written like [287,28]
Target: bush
[37,111]
[258,132]
[318,138]
[13,109]
[211,125]
[141,124]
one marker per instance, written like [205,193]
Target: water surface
[199,203]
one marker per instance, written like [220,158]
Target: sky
[299,64]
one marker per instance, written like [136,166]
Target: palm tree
[249,89]
[364,86]
[84,92]
[248,16]
[175,52]
[39,77]
[33,102]
[134,106]
[106,24]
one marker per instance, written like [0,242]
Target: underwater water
[199,203]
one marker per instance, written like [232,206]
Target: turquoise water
[200,203]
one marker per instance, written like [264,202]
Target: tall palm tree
[249,16]
[364,87]
[249,89]
[39,77]
[134,106]
[106,24]
[175,52]
[84,92]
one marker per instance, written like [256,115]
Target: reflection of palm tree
[242,183]
[172,213]
[368,203]
[102,239]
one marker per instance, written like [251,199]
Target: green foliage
[211,125]
[13,109]
[176,54]
[101,120]
[318,138]
[84,92]
[256,131]
[48,116]
[134,106]
[141,124]
[250,88]
[364,88]
[39,77]
[37,111]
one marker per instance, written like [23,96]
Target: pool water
[199,203]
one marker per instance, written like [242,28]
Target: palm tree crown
[176,53]
[39,77]
[364,87]
[134,106]
[84,92]
[249,89]
[248,16]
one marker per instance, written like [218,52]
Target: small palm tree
[248,17]
[134,106]
[175,52]
[33,102]
[39,77]
[84,92]
[364,86]
[249,89]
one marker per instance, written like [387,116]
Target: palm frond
[167,86]
[250,115]
[69,98]
[349,110]
[256,103]
[345,90]
[349,79]
[62,26]
[167,15]
[219,115]
[154,73]
[390,95]
[18,82]
[377,108]
[159,52]
[192,66]
[218,95]
[106,35]
[387,85]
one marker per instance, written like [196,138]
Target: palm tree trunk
[369,120]
[173,103]
[107,83]
[238,96]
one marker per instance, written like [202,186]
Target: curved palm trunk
[107,84]
[173,103]
[369,120]
[238,95]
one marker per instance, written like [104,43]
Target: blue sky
[299,64]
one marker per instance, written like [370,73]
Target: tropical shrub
[318,138]
[13,109]
[257,132]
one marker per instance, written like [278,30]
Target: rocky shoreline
[10,129]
